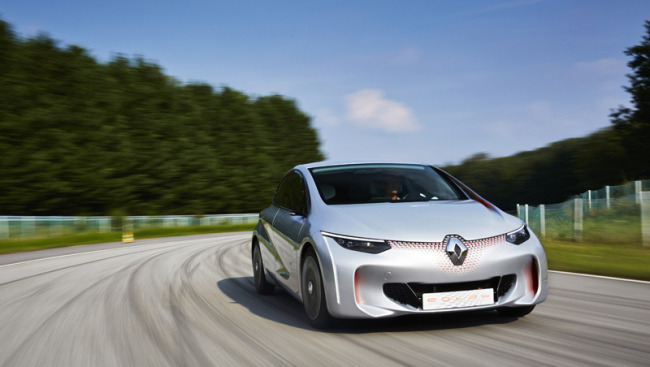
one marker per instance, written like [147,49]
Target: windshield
[380,183]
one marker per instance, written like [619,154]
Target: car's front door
[288,227]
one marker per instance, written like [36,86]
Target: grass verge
[625,261]
[19,245]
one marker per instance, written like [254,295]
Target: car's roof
[346,163]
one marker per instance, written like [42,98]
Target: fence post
[59,226]
[645,218]
[27,227]
[542,220]
[526,209]
[4,228]
[577,219]
[637,191]
[607,195]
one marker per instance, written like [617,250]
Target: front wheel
[313,293]
[515,311]
[262,285]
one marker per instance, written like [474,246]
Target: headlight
[519,236]
[359,244]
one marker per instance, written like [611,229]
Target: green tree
[639,88]
[81,137]
[633,124]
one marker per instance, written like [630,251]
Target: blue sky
[427,81]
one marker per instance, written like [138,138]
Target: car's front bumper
[391,283]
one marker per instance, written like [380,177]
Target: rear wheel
[313,293]
[262,285]
[515,311]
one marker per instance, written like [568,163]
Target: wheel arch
[325,264]
[325,316]
[306,248]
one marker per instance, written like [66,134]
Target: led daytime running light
[359,244]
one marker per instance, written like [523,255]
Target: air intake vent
[411,293]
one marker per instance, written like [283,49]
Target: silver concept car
[366,240]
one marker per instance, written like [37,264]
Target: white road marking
[599,276]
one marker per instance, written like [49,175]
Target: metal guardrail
[46,226]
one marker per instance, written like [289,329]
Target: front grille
[411,293]
[477,250]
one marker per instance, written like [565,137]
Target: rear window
[380,183]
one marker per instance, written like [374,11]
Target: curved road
[190,301]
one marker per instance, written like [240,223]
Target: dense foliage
[548,175]
[82,137]
[553,174]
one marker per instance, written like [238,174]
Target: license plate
[447,300]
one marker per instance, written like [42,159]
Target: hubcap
[310,287]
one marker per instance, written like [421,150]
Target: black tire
[262,285]
[515,311]
[313,293]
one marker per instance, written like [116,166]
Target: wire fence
[613,214]
[18,227]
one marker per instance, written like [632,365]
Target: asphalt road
[190,301]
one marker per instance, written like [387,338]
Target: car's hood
[418,221]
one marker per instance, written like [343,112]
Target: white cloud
[407,56]
[502,129]
[603,75]
[540,110]
[602,67]
[540,122]
[368,107]
[610,102]
[327,117]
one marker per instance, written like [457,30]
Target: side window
[291,193]
[283,192]
[300,196]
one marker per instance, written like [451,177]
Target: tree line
[81,137]
[611,156]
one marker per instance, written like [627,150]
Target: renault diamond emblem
[456,250]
